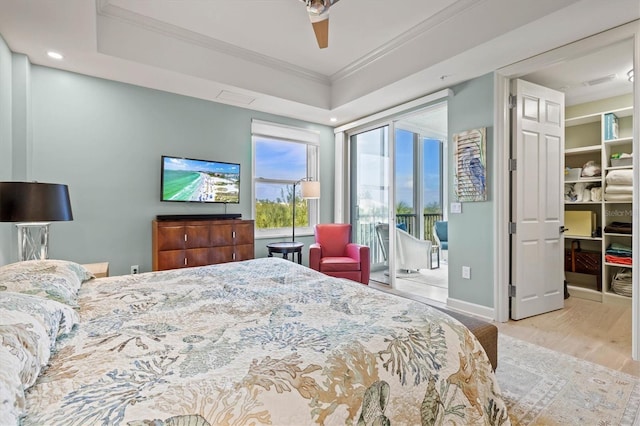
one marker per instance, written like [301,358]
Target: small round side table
[285,248]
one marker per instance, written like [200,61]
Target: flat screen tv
[199,181]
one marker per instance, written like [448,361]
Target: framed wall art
[470,175]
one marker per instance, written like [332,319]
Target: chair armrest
[361,254]
[356,251]
[315,254]
[418,245]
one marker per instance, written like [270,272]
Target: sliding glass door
[397,181]
[370,180]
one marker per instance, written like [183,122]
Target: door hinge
[512,290]
[513,164]
[512,227]
[512,101]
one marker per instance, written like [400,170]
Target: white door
[537,209]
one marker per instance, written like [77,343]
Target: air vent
[600,80]
[236,98]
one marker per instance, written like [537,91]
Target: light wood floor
[594,331]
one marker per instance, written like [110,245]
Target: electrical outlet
[134,269]
[466,272]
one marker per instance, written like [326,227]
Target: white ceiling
[596,75]
[262,54]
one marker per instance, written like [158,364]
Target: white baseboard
[480,311]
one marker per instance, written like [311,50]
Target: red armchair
[334,254]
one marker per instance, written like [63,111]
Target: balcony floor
[430,284]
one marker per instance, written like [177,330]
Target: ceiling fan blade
[321,28]
[318,11]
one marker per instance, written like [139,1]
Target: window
[282,156]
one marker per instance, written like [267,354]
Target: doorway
[548,70]
[402,164]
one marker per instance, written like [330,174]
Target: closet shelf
[582,150]
[584,142]
[578,203]
[619,167]
[619,265]
[619,141]
[582,237]
[585,180]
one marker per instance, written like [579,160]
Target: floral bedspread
[264,341]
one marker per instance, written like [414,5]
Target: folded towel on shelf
[618,189]
[618,197]
[618,228]
[620,177]
[619,246]
[618,253]
[609,258]
[618,249]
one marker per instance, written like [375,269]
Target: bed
[263,341]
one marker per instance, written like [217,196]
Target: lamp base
[33,240]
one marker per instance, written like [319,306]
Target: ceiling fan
[319,15]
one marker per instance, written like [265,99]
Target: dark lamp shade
[34,202]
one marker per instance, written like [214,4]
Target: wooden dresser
[187,243]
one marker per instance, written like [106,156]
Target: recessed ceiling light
[54,55]
[333,119]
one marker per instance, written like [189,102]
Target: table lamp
[34,205]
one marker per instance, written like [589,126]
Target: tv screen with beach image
[200,181]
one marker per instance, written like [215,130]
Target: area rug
[544,387]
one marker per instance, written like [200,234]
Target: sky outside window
[404,169]
[277,159]
[432,172]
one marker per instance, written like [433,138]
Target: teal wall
[104,139]
[5,140]
[471,232]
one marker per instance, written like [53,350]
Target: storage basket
[572,173]
[618,162]
[621,282]
[584,262]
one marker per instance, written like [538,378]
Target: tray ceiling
[262,54]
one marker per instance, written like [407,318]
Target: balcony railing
[367,232]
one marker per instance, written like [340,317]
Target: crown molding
[106,9]
[397,43]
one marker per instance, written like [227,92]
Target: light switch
[466,272]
